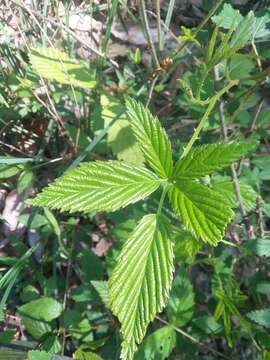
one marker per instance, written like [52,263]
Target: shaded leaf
[261,317]
[260,247]
[181,303]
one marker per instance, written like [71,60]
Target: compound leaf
[205,159]
[203,211]
[227,17]
[152,138]
[140,283]
[53,64]
[98,186]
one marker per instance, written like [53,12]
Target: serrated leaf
[203,211]
[39,355]
[181,303]
[260,247]
[158,345]
[141,280]
[228,17]
[53,64]
[152,138]
[261,317]
[205,159]
[120,136]
[261,27]
[98,186]
[186,245]
[224,186]
[102,288]
[243,32]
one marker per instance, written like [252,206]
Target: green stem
[162,198]
[210,107]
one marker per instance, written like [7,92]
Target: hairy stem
[210,107]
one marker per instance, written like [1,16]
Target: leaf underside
[203,211]
[140,283]
[204,160]
[152,138]
[98,186]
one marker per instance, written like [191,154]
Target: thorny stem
[236,185]
[202,122]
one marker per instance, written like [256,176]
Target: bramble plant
[141,281]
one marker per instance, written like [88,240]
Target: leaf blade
[205,159]
[98,186]
[152,138]
[140,283]
[203,211]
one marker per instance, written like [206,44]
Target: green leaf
[261,317]
[158,345]
[120,136]
[39,355]
[243,32]
[102,289]
[205,159]
[240,66]
[228,17]
[263,288]
[186,245]
[8,160]
[181,303]
[86,355]
[37,315]
[98,186]
[141,280]
[224,186]
[261,27]
[53,64]
[260,247]
[203,211]
[152,138]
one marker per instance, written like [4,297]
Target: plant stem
[162,198]
[210,107]
[146,28]
[167,22]
[236,185]
[158,24]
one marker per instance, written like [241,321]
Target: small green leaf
[228,17]
[261,317]
[8,160]
[158,345]
[224,186]
[260,247]
[53,64]
[152,138]
[25,180]
[205,159]
[181,303]
[263,288]
[98,186]
[120,136]
[261,27]
[82,354]
[141,280]
[243,32]
[37,315]
[39,355]
[203,211]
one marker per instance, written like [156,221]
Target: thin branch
[236,185]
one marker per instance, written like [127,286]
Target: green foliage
[261,317]
[203,211]
[140,283]
[158,345]
[260,247]
[39,355]
[81,189]
[206,159]
[181,303]
[152,138]
[53,64]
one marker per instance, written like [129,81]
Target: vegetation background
[66,69]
